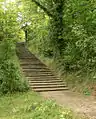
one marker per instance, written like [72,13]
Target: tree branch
[42,7]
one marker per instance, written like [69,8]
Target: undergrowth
[11,79]
[78,81]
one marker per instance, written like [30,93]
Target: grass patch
[31,105]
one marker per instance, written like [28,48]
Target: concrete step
[50,89]
[22,57]
[38,75]
[34,67]
[36,71]
[33,64]
[29,60]
[47,83]
[47,86]
[30,63]
[42,78]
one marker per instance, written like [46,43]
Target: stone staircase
[39,76]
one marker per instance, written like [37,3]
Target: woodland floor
[81,104]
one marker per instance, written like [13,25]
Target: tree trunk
[26,36]
[57,28]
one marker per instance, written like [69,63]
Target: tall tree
[54,9]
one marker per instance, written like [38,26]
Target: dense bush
[11,79]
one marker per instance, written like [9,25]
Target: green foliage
[10,78]
[71,36]
[81,41]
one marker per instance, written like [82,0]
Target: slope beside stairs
[39,76]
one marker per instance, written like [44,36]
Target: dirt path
[82,105]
